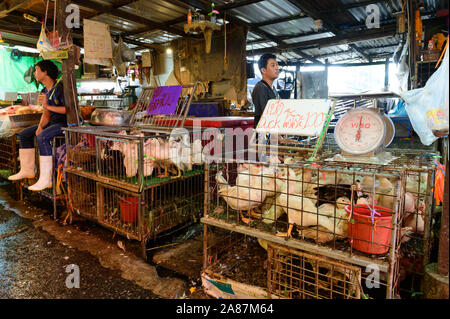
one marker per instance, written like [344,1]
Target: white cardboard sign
[302,117]
[97,40]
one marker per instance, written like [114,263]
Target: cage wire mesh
[296,274]
[82,193]
[155,96]
[134,159]
[9,163]
[263,269]
[331,204]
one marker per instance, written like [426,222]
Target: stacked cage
[146,179]
[8,155]
[362,215]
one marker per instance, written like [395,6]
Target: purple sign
[164,100]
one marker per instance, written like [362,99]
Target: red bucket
[372,237]
[129,209]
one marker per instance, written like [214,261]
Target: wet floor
[33,264]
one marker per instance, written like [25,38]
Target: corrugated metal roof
[117,23]
[155,10]
[294,27]
[302,29]
[265,10]
[309,37]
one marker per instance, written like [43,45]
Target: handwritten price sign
[294,117]
[164,100]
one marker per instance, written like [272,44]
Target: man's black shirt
[260,95]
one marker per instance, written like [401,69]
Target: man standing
[264,90]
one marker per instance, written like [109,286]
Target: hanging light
[1,40]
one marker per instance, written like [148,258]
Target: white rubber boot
[27,166]
[45,171]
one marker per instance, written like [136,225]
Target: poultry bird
[250,175]
[129,149]
[386,196]
[301,210]
[180,153]
[331,193]
[244,198]
[158,150]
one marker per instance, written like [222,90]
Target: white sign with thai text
[294,117]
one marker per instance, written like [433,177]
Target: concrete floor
[33,262]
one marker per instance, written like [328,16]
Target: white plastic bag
[43,43]
[427,107]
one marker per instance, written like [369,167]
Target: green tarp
[12,72]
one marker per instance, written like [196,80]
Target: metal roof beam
[274,21]
[11,5]
[337,40]
[351,6]
[125,15]
[186,5]
[315,14]
[115,5]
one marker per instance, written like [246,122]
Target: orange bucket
[129,209]
[371,230]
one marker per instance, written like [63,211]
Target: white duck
[241,198]
[302,211]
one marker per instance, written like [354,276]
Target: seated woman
[52,120]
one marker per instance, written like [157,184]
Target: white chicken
[158,150]
[245,198]
[129,149]
[302,211]
[176,151]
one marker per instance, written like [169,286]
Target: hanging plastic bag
[48,41]
[43,43]
[118,62]
[428,107]
[128,55]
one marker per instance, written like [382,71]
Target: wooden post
[68,66]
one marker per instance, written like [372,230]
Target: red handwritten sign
[297,117]
[164,100]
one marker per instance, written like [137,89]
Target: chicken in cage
[172,153]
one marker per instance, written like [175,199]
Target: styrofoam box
[8,96]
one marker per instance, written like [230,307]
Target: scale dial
[360,131]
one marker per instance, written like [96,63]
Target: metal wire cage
[82,194]
[8,156]
[155,97]
[133,159]
[366,213]
[240,266]
[295,274]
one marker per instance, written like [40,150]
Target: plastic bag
[427,107]
[43,43]
[402,72]
[118,61]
